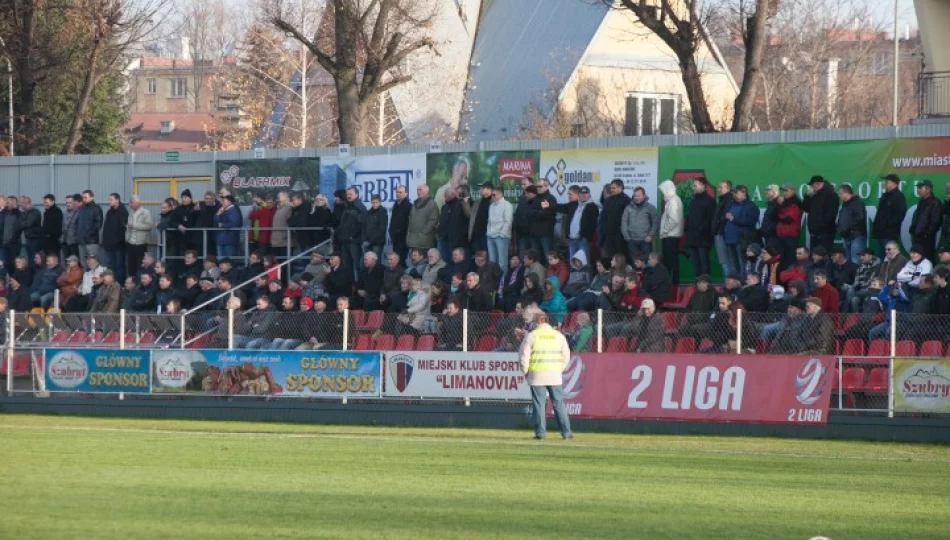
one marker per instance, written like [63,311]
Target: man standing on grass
[544,355]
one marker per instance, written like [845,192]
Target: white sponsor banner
[454,375]
[597,167]
[373,175]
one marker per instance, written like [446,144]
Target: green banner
[471,169]
[860,164]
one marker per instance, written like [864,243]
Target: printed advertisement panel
[373,175]
[596,167]
[97,370]
[251,178]
[454,375]
[472,169]
[274,373]
[707,388]
[921,385]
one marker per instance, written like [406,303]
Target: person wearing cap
[699,226]
[788,332]
[821,204]
[69,280]
[943,258]
[891,209]
[138,229]
[893,298]
[927,220]
[789,226]
[917,266]
[852,223]
[109,295]
[228,221]
[498,228]
[671,228]
[544,355]
[579,225]
[819,332]
[185,216]
[478,217]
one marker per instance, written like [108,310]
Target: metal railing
[934,89]
[245,243]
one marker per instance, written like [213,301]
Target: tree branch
[325,60]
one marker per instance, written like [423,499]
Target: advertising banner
[259,177]
[921,385]
[97,370]
[373,175]
[596,167]
[275,373]
[454,375]
[705,388]
[472,169]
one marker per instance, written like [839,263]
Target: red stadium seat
[706,343]
[373,321]
[201,342]
[147,338]
[879,380]
[906,348]
[685,293]
[426,343]
[853,347]
[851,320]
[112,337]
[853,379]
[879,347]
[61,337]
[686,345]
[617,344]
[497,315]
[671,320]
[359,318]
[570,322]
[668,344]
[79,336]
[386,342]
[485,344]
[834,382]
[364,342]
[931,348]
[406,342]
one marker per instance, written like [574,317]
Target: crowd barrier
[628,386]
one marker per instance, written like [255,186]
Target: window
[179,87]
[152,86]
[651,114]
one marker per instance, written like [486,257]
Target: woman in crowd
[554,303]
[437,298]
[532,293]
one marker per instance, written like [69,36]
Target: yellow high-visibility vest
[546,350]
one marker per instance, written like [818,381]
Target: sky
[884,12]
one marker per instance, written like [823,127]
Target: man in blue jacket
[228,220]
[741,219]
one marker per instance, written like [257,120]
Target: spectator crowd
[425,261]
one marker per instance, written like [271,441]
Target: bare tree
[371,40]
[111,27]
[205,24]
[754,36]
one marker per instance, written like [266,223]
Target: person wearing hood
[558,268]
[789,226]
[614,219]
[821,204]
[640,224]
[580,276]
[741,219]
[866,271]
[852,223]
[671,229]
[699,226]
[771,261]
[554,303]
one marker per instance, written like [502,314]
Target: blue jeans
[226,250]
[528,242]
[498,251]
[538,398]
[699,256]
[547,246]
[736,259]
[241,342]
[579,244]
[281,344]
[42,300]
[115,261]
[770,330]
[880,331]
[722,253]
[853,248]
[259,343]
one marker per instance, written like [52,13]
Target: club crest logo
[400,370]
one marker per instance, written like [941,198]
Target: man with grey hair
[70,238]
[137,234]
[423,220]
[769,226]
[280,238]
[435,264]
[475,298]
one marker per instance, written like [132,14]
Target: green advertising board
[858,163]
[472,169]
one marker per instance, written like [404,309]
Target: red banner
[708,388]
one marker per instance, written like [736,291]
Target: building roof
[190,133]
[522,50]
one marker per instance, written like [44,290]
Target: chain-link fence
[117,330]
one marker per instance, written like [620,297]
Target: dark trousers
[699,256]
[70,250]
[928,244]
[134,255]
[671,258]
[115,261]
[788,245]
[826,241]
[614,244]
[32,248]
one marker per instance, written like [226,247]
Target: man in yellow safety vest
[544,355]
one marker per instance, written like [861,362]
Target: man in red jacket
[823,290]
[262,218]
[789,224]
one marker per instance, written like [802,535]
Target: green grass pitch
[141,479]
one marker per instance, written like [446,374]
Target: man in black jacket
[719,227]
[753,295]
[580,221]
[374,227]
[113,236]
[542,227]
[301,239]
[476,297]
[186,215]
[821,203]
[927,220]
[31,224]
[657,283]
[891,209]
[399,222]
[614,206]
[204,219]
[453,225]
[339,281]
[369,287]
[349,234]
[699,223]
[852,224]
[524,216]
[52,228]
[478,218]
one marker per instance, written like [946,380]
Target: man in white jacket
[500,215]
[671,229]
[915,268]
[137,234]
[544,355]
